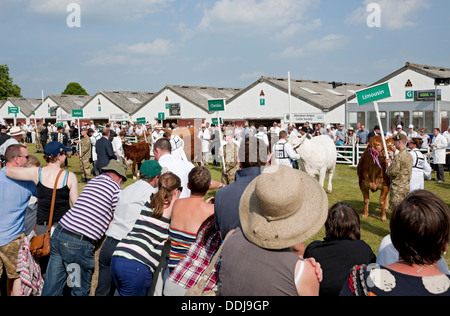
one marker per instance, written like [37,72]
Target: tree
[74,88]
[7,88]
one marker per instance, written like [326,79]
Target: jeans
[131,277]
[71,259]
[105,285]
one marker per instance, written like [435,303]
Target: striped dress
[181,241]
[146,240]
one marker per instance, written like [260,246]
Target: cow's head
[376,143]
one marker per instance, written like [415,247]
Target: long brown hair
[168,182]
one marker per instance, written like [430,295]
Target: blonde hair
[168,182]
[33,161]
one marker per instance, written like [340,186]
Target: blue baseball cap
[55,148]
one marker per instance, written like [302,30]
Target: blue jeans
[105,286]
[72,260]
[131,277]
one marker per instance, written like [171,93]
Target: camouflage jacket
[400,171]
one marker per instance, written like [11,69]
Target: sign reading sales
[373,94]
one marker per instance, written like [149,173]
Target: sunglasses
[27,157]
[180,189]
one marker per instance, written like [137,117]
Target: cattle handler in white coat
[283,152]
[439,146]
[420,166]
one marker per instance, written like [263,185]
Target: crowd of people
[159,236]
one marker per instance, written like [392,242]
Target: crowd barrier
[350,155]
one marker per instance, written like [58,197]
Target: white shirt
[177,144]
[205,136]
[118,147]
[181,168]
[94,138]
[283,153]
[129,206]
[439,155]
[9,142]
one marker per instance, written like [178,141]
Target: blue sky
[142,45]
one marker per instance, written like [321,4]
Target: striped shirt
[146,240]
[180,243]
[94,209]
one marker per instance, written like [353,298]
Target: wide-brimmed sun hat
[283,207]
[15,131]
[118,168]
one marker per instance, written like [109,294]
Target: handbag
[40,245]
[199,288]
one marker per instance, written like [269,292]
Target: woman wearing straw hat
[258,259]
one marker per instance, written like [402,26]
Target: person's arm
[23,174]
[291,153]
[72,183]
[308,285]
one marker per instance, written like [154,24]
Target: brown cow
[372,177]
[136,153]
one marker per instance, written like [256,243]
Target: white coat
[439,152]
[205,136]
[420,167]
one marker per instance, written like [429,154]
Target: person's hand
[317,268]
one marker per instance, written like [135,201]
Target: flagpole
[381,127]
[289,98]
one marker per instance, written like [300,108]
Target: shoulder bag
[199,288]
[40,245]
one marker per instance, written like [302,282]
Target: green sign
[142,120]
[409,95]
[373,94]
[262,102]
[77,113]
[215,122]
[427,95]
[13,110]
[161,116]
[216,105]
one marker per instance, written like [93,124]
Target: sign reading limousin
[374,94]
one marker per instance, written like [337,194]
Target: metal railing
[350,155]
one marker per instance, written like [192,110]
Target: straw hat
[283,207]
[15,131]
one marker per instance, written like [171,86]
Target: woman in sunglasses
[45,178]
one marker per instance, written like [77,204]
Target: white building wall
[158,105]
[248,106]
[95,111]
[4,112]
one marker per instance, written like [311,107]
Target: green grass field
[345,189]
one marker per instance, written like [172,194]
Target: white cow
[318,156]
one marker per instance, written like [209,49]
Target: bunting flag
[375,156]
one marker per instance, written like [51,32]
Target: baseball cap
[55,148]
[399,137]
[150,169]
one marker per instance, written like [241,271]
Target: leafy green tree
[7,88]
[74,88]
